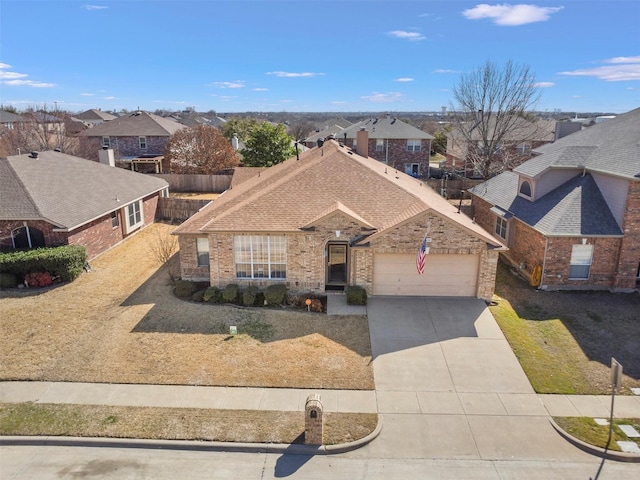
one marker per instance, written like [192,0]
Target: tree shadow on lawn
[603,324]
[172,315]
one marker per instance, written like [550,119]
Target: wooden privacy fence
[451,188]
[178,209]
[196,183]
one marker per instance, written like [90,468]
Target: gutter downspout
[544,262]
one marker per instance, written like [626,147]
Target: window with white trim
[414,145]
[379,145]
[142,141]
[580,264]
[412,169]
[525,188]
[134,215]
[501,227]
[260,256]
[202,245]
[106,142]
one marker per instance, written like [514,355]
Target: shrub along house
[333,218]
[51,199]
[571,214]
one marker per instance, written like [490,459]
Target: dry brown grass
[121,323]
[195,195]
[177,423]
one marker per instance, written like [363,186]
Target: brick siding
[130,146]
[306,253]
[96,236]
[614,263]
[398,155]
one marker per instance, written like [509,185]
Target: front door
[337,264]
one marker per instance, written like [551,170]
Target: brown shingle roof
[294,194]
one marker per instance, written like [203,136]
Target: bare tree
[199,149]
[493,102]
[300,129]
[40,130]
[163,249]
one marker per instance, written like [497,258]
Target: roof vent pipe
[34,155]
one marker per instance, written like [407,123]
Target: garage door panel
[444,275]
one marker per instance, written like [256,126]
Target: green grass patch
[587,430]
[543,349]
[33,419]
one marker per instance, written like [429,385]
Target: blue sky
[297,55]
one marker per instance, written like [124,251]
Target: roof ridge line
[268,188]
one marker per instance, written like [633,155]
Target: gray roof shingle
[386,127]
[67,191]
[575,208]
[135,124]
[612,147]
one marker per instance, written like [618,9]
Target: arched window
[27,237]
[525,188]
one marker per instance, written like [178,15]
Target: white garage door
[444,275]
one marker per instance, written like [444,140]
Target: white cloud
[411,36]
[109,98]
[4,65]
[295,75]
[260,89]
[87,94]
[11,75]
[377,97]
[28,83]
[338,102]
[236,84]
[623,60]
[544,84]
[404,79]
[510,15]
[445,70]
[618,69]
[94,7]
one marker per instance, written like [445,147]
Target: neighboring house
[572,211]
[10,120]
[138,134]
[393,142]
[93,117]
[514,149]
[333,218]
[57,199]
[329,132]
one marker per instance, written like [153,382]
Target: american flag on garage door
[422,254]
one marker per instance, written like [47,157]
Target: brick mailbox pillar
[313,421]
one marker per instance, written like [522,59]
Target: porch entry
[337,264]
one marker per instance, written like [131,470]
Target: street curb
[195,446]
[593,450]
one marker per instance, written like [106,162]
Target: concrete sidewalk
[177,396]
[343,401]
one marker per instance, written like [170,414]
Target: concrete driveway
[449,386]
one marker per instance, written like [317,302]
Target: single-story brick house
[571,215]
[333,218]
[50,199]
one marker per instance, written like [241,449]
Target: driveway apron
[448,385]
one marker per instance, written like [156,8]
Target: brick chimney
[362,141]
